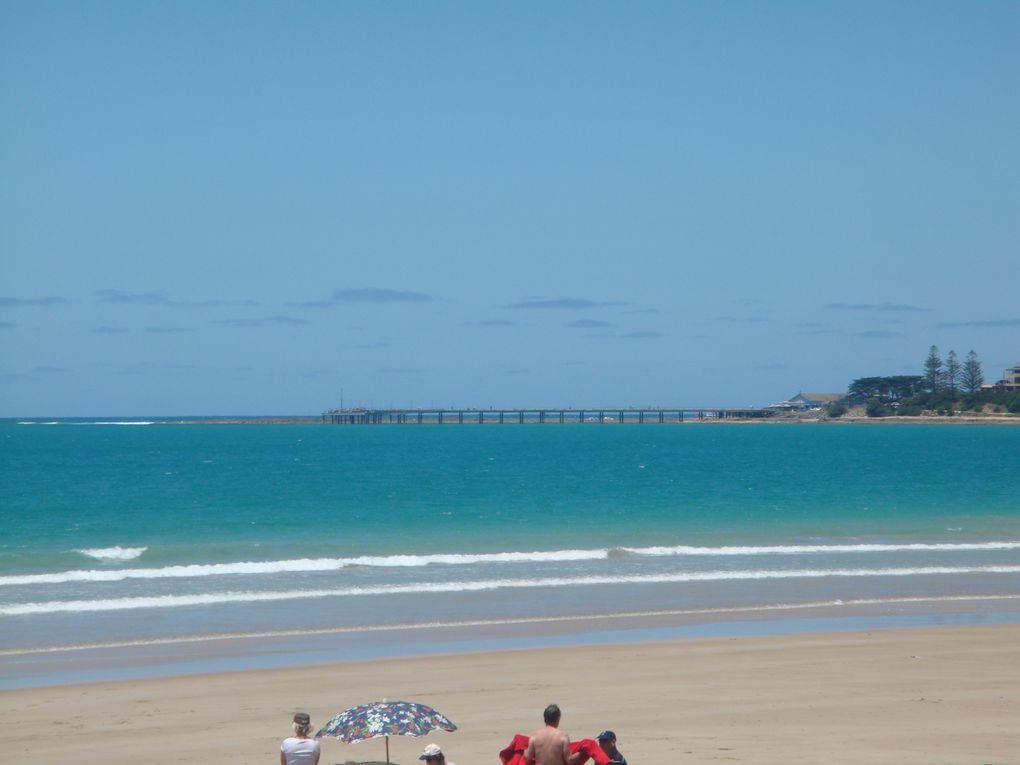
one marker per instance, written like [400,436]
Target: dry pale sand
[931,695]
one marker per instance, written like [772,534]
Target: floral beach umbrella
[385,718]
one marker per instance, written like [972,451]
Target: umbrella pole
[387,750]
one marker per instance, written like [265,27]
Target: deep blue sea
[132,543]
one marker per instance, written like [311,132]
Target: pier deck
[543,415]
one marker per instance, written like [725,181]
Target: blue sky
[245,208]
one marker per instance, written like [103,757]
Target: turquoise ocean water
[131,545]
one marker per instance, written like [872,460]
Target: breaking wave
[96,422]
[309,565]
[799,549]
[117,422]
[116,554]
[202,599]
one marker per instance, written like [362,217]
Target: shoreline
[240,652]
[907,695]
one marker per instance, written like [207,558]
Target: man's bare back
[548,746]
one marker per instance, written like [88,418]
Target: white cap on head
[432,750]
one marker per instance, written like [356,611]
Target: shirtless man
[550,745]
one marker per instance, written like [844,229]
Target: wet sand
[912,695]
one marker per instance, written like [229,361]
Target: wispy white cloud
[588,324]
[369,295]
[264,321]
[322,372]
[494,323]
[643,335]
[12,302]
[161,298]
[377,345]
[741,319]
[135,368]
[814,328]
[213,303]
[131,298]
[895,307]
[148,368]
[35,373]
[992,323]
[877,334]
[561,304]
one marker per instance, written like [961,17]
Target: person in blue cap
[607,740]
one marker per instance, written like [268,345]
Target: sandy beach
[925,695]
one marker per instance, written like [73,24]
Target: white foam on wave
[291,566]
[310,565]
[454,559]
[114,554]
[204,599]
[830,548]
[117,422]
[97,422]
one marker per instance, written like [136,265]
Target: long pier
[597,415]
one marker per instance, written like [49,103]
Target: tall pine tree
[971,377]
[933,370]
[951,376]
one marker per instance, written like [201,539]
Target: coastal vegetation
[944,388]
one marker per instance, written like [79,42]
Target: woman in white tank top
[300,749]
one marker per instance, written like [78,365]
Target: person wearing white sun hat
[433,755]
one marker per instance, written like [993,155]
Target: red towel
[513,754]
[591,748]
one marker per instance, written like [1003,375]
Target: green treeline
[944,387]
